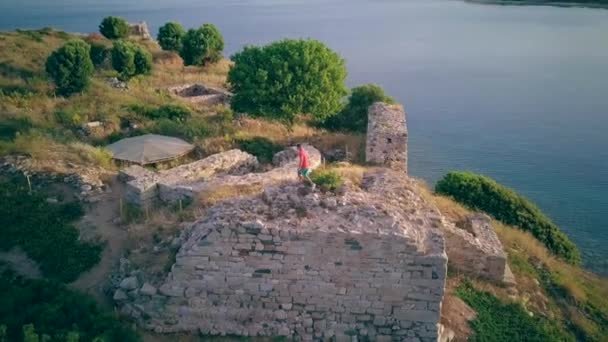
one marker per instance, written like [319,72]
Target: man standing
[304,166]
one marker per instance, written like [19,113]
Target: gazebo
[149,149]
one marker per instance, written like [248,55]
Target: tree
[114,28]
[287,78]
[100,53]
[170,36]
[130,59]
[201,46]
[353,117]
[70,67]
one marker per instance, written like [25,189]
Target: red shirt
[303,159]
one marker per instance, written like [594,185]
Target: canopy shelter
[149,149]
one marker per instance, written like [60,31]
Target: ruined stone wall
[387,136]
[474,248]
[368,263]
[202,94]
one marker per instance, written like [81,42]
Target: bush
[114,28]
[201,46]
[483,193]
[189,130]
[37,308]
[100,54]
[70,67]
[327,179]
[353,117]
[171,112]
[69,118]
[39,227]
[130,60]
[261,147]
[10,128]
[498,322]
[287,78]
[170,36]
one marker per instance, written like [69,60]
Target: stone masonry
[387,136]
[366,264]
[202,94]
[474,248]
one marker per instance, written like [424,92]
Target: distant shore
[541,3]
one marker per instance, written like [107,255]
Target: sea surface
[516,93]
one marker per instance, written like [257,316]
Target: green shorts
[304,172]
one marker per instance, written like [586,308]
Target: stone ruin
[387,136]
[146,188]
[201,94]
[365,262]
[140,30]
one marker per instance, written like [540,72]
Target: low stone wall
[366,264]
[202,94]
[474,248]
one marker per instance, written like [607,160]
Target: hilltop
[59,141]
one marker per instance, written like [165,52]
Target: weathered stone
[387,136]
[129,283]
[120,295]
[147,289]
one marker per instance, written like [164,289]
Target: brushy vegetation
[39,228]
[114,28]
[42,310]
[263,148]
[130,59]
[353,117]
[170,36]
[202,46]
[71,67]
[288,78]
[483,193]
[327,179]
[496,321]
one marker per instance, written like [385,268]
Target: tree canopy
[70,67]
[130,59]
[202,45]
[170,36]
[114,28]
[287,78]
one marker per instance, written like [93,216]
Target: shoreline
[539,3]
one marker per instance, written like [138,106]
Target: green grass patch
[45,232]
[50,311]
[499,322]
[327,179]
[483,193]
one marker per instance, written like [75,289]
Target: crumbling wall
[387,136]
[140,30]
[202,94]
[369,264]
[474,248]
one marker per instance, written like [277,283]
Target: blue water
[516,93]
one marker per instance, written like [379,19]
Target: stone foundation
[387,136]
[202,94]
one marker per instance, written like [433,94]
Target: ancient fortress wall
[387,136]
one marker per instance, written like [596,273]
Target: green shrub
[9,128]
[171,112]
[114,28]
[39,228]
[201,46]
[69,118]
[170,36]
[40,308]
[499,322]
[261,147]
[129,59]
[70,67]
[189,130]
[353,117]
[483,193]
[327,179]
[287,78]
[100,54]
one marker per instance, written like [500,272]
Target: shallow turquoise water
[516,93]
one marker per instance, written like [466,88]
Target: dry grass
[353,173]
[220,193]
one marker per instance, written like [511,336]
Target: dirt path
[99,220]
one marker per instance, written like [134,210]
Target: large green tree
[170,36]
[203,45]
[114,28]
[70,67]
[353,117]
[130,59]
[287,78]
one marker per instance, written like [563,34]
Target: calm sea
[516,93]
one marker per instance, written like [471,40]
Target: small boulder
[129,283]
[120,295]
[147,289]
